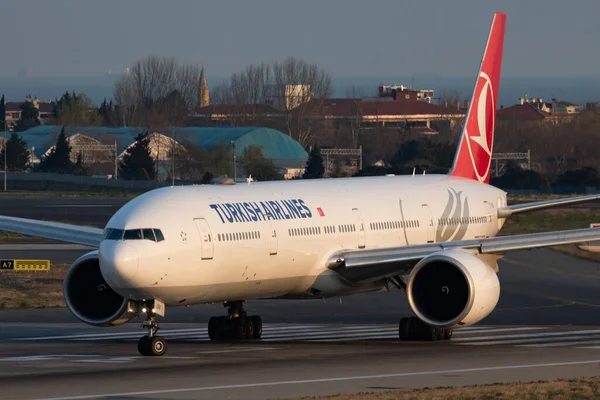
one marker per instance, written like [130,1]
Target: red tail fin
[474,154]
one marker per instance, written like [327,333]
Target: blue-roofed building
[285,152]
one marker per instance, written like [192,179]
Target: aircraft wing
[539,205]
[52,230]
[361,266]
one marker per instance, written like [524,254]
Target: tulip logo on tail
[455,218]
[480,130]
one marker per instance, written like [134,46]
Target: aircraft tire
[257,322]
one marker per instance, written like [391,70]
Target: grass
[573,389]
[32,289]
[551,220]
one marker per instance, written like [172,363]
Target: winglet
[474,155]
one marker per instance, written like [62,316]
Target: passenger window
[132,234]
[148,235]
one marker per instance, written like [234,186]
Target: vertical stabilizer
[474,155]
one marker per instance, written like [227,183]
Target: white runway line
[500,339]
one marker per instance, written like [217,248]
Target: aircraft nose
[121,259]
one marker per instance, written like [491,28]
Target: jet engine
[89,297]
[452,288]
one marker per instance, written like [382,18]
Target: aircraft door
[206,239]
[360,227]
[273,242]
[428,223]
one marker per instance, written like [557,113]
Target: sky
[348,38]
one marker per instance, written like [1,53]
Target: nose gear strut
[151,344]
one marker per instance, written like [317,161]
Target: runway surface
[546,326]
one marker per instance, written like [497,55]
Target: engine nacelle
[89,297]
[452,288]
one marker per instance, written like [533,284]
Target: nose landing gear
[151,344]
[236,326]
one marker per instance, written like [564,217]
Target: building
[13,111]
[554,107]
[203,92]
[388,113]
[233,114]
[400,90]
[295,95]
[536,109]
[97,143]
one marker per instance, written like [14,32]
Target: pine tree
[17,154]
[314,165]
[79,168]
[138,163]
[59,159]
[30,116]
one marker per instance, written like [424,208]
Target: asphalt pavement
[545,326]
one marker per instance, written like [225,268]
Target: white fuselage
[273,239]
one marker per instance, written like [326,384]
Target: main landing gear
[236,325]
[151,344]
[414,329]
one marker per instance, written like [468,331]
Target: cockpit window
[114,234]
[159,235]
[154,235]
[132,234]
[148,235]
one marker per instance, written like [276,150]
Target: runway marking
[471,336]
[325,380]
[43,247]
[138,333]
[544,341]
[490,339]
[237,350]
[76,206]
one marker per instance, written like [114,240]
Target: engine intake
[452,288]
[89,297]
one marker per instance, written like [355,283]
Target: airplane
[433,237]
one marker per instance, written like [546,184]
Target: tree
[59,158]
[586,176]
[2,111]
[137,163]
[30,116]
[314,165]
[257,166]
[157,92]
[79,168]
[16,153]
[76,109]
[109,112]
[519,179]
[294,87]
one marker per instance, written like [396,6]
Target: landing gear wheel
[414,329]
[249,328]
[144,345]
[403,329]
[213,328]
[236,326]
[158,346]
[447,334]
[257,322]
